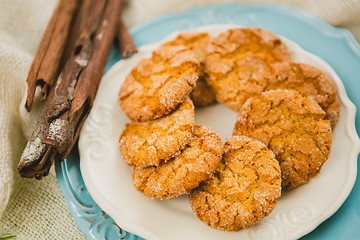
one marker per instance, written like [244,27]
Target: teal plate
[336,46]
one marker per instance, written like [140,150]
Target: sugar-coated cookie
[309,81]
[156,86]
[237,63]
[180,175]
[202,95]
[243,189]
[148,143]
[293,127]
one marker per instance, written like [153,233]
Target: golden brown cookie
[202,95]
[157,85]
[238,61]
[180,175]
[293,127]
[195,41]
[309,81]
[149,143]
[243,189]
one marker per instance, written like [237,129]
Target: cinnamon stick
[89,79]
[58,102]
[77,25]
[61,131]
[71,99]
[123,40]
[45,66]
[35,150]
[36,153]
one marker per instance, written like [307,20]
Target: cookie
[309,81]
[180,175]
[293,127]
[202,94]
[156,86]
[194,41]
[238,61]
[149,143]
[243,189]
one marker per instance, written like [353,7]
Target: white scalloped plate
[109,179]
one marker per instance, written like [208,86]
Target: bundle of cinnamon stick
[68,67]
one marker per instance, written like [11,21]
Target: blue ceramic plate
[337,47]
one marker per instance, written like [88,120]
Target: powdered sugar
[33,150]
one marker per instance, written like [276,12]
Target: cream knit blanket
[34,209]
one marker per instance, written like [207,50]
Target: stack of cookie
[170,155]
[282,137]
[243,67]
[202,95]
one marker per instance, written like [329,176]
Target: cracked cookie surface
[202,95]
[148,143]
[181,174]
[238,61]
[243,189]
[293,127]
[309,81]
[157,85]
